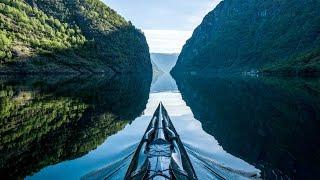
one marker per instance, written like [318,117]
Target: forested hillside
[256,35]
[75,36]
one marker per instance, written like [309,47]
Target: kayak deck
[160,154]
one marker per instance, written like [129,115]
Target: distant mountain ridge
[156,71]
[255,35]
[74,36]
[164,61]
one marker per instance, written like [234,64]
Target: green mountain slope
[86,36]
[245,35]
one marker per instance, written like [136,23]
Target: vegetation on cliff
[302,64]
[247,35]
[73,36]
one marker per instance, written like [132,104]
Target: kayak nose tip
[160,104]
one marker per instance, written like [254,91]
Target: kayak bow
[160,154]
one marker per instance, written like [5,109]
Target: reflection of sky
[121,144]
[165,18]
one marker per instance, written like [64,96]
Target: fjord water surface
[270,122]
[112,157]
[239,127]
[205,152]
[46,122]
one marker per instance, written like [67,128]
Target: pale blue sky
[167,23]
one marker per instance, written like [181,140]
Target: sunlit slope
[86,36]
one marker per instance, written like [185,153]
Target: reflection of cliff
[271,123]
[46,121]
[163,83]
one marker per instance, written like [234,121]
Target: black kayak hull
[160,154]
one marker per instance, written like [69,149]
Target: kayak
[160,155]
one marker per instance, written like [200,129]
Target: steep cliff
[245,35]
[76,36]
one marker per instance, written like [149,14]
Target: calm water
[73,127]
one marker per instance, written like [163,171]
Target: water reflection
[234,126]
[163,83]
[46,120]
[271,123]
[204,150]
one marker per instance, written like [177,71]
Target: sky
[167,24]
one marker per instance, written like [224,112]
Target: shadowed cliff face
[46,120]
[271,123]
[247,35]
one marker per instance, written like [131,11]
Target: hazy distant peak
[164,61]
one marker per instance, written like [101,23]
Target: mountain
[255,35]
[156,71]
[164,61]
[163,83]
[74,36]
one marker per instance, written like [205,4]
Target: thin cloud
[164,14]
[166,41]
[167,23]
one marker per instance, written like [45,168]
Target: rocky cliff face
[242,35]
[75,36]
